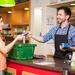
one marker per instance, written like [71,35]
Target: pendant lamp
[7,3]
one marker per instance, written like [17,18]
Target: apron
[58,40]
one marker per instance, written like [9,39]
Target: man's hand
[29,34]
[62,48]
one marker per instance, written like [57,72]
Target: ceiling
[62,4]
[20,1]
[20,4]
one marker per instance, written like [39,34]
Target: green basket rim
[25,45]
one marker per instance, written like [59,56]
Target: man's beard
[59,23]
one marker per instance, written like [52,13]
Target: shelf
[19,25]
[7,29]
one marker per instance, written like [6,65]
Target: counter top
[47,64]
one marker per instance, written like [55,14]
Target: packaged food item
[65,45]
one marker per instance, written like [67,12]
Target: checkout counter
[47,66]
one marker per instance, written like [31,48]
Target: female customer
[4,49]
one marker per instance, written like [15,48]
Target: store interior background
[21,19]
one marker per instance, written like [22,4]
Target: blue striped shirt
[61,31]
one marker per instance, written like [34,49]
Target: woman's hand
[19,37]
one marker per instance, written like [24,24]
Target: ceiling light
[26,8]
[7,3]
[72,4]
[9,12]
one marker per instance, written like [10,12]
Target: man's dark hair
[66,10]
